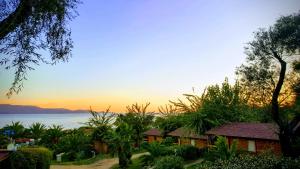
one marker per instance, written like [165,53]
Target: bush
[187,152]
[157,149]
[168,141]
[263,161]
[146,160]
[222,150]
[75,145]
[169,162]
[31,158]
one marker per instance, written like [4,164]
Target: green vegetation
[169,162]
[31,158]
[139,119]
[254,97]
[269,56]
[121,144]
[264,161]
[27,28]
[221,150]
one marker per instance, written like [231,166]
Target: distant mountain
[19,109]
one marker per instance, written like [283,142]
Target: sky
[147,51]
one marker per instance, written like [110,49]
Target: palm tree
[139,119]
[121,143]
[37,130]
[17,128]
[52,136]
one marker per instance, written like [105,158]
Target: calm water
[71,120]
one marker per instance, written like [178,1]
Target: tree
[139,119]
[270,52]
[103,118]
[29,26]
[102,123]
[37,130]
[52,136]
[170,122]
[217,105]
[120,142]
[17,128]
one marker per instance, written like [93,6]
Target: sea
[67,120]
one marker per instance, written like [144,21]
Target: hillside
[21,109]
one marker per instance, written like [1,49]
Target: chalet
[187,137]
[153,135]
[252,137]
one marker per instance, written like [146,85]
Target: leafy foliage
[216,106]
[52,136]
[222,150]
[31,158]
[268,58]
[17,127]
[76,145]
[170,123]
[139,119]
[263,161]
[103,118]
[120,143]
[37,130]
[157,149]
[169,162]
[187,152]
[29,26]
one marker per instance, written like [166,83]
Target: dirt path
[101,164]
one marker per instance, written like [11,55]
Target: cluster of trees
[267,88]
[76,143]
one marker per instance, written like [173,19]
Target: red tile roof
[22,140]
[153,132]
[4,154]
[247,130]
[183,132]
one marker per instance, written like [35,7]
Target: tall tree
[120,142]
[138,118]
[217,105]
[29,26]
[37,130]
[268,55]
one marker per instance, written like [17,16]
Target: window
[251,146]
[193,142]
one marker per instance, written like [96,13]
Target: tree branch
[21,14]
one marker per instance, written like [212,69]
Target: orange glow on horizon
[82,104]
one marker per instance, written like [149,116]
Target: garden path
[101,164]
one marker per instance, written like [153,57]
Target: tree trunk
[284,131]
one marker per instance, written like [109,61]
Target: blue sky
[147,50]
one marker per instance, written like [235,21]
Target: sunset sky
[147,51]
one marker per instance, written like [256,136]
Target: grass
[82,162]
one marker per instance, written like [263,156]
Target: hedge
[31,158]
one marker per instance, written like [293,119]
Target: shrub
[169,162]
[31,158]
[146,160]
[263,161]
[168,141]
[75,145]
[187,152]
[221,150]
[157,149]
